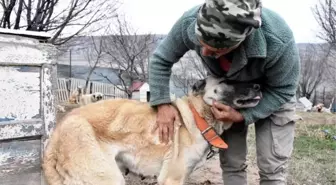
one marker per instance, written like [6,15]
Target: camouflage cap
[226,23]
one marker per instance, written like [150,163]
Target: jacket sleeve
[168,52]
[282,77]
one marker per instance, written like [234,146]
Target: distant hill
[79,44]
[81,72]
[80,65]
[76,50]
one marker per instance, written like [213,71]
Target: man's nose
[207,52]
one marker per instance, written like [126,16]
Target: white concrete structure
[27,116]
[306,103]
[144,93]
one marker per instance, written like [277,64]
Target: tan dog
[90,98]
[75,96]
[95,143]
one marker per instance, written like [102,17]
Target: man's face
[216,52]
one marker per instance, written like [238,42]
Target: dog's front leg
[171,172]
[172,181]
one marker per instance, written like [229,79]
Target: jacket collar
[254,46]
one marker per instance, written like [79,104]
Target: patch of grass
[315,139]
[307,144]
[314,156]
[313,160]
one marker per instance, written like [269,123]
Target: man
[239,40]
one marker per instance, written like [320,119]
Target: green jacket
[268,56]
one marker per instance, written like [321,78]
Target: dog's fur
[90,98]
[96,143]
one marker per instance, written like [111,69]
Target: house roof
[26,33]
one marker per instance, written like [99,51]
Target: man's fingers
[221,106]
[225,115]
[165,134]
[177,116]
[171,131]
[156,126]
[219,114]
[161,133]
[216,112]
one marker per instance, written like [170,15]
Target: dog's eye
[215,91]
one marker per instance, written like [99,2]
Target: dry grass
[313,160]
[314,157]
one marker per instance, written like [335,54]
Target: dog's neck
[203,109]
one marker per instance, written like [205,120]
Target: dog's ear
[199,86]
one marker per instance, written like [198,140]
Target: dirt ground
[209,174]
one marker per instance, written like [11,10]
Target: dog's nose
[256,87]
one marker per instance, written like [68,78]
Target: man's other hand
[226,113]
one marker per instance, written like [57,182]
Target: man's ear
[199,86]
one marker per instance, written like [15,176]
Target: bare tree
[325,14]
[128,53]
[324,95]
[187,71]
[331,67]
[64,19]
[314,63]
[94,54]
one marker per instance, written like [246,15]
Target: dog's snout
[256,87]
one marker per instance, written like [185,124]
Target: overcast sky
[158,16]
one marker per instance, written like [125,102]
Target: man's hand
[167,115]
[225,113]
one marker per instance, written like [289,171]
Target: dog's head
[234,94]
[97,96]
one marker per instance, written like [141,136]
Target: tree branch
[62,23]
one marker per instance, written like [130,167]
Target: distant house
[304,104]
[141,92]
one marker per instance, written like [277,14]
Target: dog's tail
[74,155]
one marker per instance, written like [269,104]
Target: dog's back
[74,156]
[82,149]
